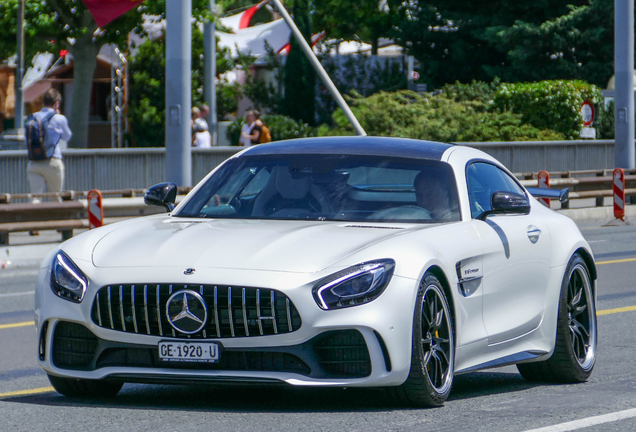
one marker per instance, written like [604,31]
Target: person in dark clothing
[252,118]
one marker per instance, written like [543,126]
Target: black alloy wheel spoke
[441,354]
[427,358]
[438,319]
[435,369]
[580,338]
[432,309]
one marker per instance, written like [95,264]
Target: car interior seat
[294,195]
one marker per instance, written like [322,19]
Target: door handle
[534,233]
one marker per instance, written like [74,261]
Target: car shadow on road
[276,398]
[485,383]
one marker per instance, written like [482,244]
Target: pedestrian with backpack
[44,131]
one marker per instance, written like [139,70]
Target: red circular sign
[587,113]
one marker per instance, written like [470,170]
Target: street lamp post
[178,92]
[209,86]
[19,73]
[624,83]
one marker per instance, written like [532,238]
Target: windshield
[328,187]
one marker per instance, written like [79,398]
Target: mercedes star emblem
[189,271]
[186,312]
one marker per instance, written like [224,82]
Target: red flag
[104,11]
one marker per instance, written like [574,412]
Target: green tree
[67,24]
[366,20]
[459,40]
[299,77]
[56,24]
[147,83]
[577,45]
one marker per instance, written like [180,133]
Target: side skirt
[504,361]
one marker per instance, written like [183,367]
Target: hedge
[551,105]
[439,118]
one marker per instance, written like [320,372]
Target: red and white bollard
[619,193]
[95,209]
[544,183]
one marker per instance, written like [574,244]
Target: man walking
[47,171]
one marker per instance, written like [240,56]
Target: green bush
[280,127]
[551,105]
[439,118]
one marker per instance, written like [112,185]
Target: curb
[602,215]
[22,256]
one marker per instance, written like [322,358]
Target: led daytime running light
[346,277]
[376,274]
[71,268]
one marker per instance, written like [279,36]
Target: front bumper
[366,345]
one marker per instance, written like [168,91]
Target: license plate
[195,352]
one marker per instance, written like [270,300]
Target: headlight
[355,285]
[67,280]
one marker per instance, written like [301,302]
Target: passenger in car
[432,193]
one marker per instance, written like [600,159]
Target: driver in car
[432,193]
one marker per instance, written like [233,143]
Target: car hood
[291,246]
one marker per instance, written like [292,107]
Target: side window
[483,180]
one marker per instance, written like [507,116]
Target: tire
[73,387]
[575,349]
[433,349]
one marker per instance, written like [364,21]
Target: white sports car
[345,261]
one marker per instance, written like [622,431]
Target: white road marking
[17,294]
[588,422]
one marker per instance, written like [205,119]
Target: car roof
[353,145]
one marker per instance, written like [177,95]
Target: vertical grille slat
[216,312]
[258,311]
[110,310]
[146,309]
[134,313]
[290,326]
[201,291]
[99,312]
[159,310]
[244,305]
[121,307]
[245,312]
[273,310]
[229,310]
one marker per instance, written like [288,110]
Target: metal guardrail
[534,156]
[138,168]
[24,217]
[584,184]
[109,169]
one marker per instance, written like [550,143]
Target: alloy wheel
[581,318]
[437,339]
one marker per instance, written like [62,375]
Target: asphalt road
[494,400]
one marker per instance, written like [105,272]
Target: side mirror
[162,195]
[506,203]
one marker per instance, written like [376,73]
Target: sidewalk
[25,251]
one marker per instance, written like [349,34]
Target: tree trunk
[84,53]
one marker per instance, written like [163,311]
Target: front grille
[73,346]
[232,311]
[343,354]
